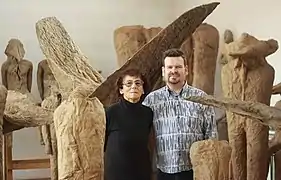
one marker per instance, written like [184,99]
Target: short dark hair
[174,52]
[133,73]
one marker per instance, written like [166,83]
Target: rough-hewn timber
[267,115]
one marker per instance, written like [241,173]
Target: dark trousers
[185,175]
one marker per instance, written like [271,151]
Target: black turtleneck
[128,127]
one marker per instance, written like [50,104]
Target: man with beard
[177,122]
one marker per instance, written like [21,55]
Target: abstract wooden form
[245,69]
[210,160]
[129,39]
[201,51]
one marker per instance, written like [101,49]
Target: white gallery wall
[91,24]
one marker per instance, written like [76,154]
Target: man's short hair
[173,53]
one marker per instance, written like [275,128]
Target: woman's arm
[107,117]
[151,142]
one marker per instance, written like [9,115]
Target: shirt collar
[182,92]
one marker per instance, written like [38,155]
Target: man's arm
[210,124]
[147,100]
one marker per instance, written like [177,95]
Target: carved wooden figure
[16,75]
[16,71]
[277,156]
[79,121]
[210,160]
[244,71]
[44,84]
[205,52]
[48,86]
[129,39]
[222,124]
[227,38]
[3,96]
[46,81]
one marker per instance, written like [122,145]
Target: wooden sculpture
[246,69]
[210,160]
[48,88]
[277,138]
[201,52]
[129,39]
[3,96]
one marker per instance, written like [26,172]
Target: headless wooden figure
[129,39]
[247,76]
[46,81]
[222,124]
[47,86]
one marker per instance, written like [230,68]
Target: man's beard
[173,81]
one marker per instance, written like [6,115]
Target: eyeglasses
[130,83]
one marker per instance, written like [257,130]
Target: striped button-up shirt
[178,123]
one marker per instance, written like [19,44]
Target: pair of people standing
[162,121]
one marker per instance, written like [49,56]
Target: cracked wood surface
[71,68]
[205,51]
[21,111]
[267,115]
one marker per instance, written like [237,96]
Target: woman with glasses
[128,131]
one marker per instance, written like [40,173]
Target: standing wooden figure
[48,87]
[16,75]
[246,75]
